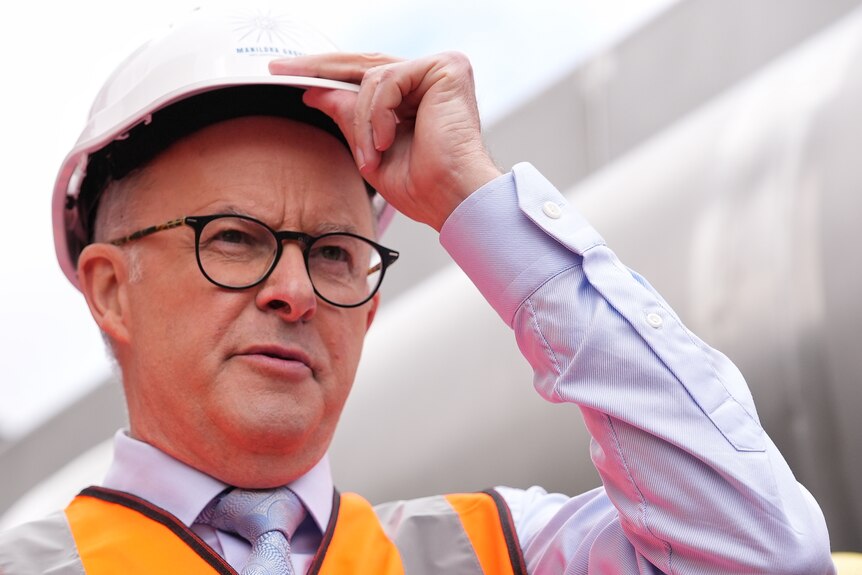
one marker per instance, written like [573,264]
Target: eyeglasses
[238,252]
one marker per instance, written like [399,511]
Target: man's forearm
[698,485]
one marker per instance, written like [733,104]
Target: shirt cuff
[513,234]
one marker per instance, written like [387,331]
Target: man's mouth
[277,356]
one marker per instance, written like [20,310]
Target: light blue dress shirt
[692,484]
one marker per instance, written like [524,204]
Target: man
[238,339]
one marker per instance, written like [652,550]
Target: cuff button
[552,210]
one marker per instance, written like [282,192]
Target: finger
[338,105]
[366,150]
[385,101]
[382,93]
[342,66]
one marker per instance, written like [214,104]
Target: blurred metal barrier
[88,421]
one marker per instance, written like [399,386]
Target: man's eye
[332,253]
[231,237]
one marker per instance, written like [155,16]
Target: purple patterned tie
[266,518]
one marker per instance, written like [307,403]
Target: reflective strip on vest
[466,534]
[430,536]
[43,546]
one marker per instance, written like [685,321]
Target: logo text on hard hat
[267,33]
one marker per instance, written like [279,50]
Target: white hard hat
[210,52]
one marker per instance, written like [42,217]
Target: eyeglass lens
[237,252]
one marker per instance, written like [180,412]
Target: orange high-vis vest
[116,532]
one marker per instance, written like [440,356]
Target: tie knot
[252,513]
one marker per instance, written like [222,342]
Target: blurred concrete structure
[718,151]
[620,98]
[652,79]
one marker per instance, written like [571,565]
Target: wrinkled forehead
[275,169]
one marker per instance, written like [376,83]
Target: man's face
[245,385]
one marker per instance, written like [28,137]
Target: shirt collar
[151,474]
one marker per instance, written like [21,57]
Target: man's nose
[288,290]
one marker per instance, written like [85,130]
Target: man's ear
[103,277]
[372,310]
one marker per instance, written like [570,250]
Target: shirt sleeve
[691,482]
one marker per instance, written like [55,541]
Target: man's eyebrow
[234,211]
[317,230]
[328,228]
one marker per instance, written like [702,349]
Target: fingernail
[374,138]
[360,159]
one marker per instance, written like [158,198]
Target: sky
[54,57]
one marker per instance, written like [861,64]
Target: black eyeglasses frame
[197,223]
